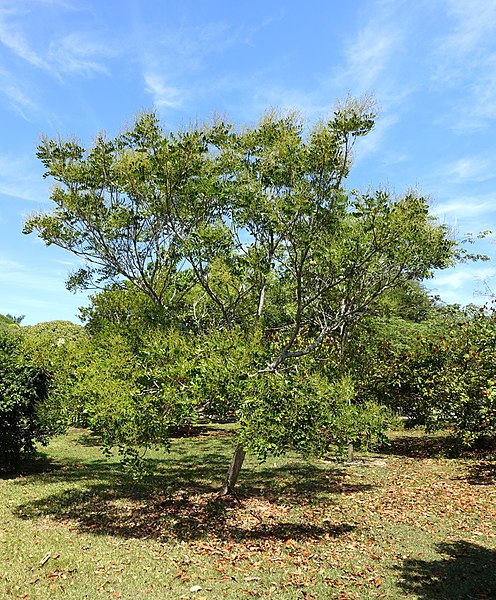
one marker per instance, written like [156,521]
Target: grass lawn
[406,523]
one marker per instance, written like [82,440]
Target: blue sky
[77,67]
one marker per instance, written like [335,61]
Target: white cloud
[465,207]
[21,178]
[14,39]
[371,60]
[17,98]
[469,169]
[474,23]
[164,95]
[463,284]
[466,60]
[78,52]
[368,55]
[458,278]
[14,273]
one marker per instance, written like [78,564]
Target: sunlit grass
[407,523]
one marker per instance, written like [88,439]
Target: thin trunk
[351,452]
[233,471]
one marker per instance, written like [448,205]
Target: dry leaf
[45,559]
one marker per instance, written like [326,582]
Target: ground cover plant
[407,522]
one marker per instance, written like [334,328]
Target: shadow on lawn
[26,467]
[424,446]
[467,572]
[181,501]
[482,473]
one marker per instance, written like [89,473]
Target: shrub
[23,387]
[448,381]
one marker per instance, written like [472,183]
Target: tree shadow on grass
[181,501]
[41,463]
[424,446]
[467,572]
[434,445]
[178,516]
[482,473]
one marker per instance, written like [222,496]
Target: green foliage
[228,258]
[7,321]
[122,309]
[230,222]
[23,390]
[134,393]
[57,347]
[444,380]
[54,332]
[308,413]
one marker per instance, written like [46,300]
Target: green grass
[407,523]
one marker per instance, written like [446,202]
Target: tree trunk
[351,452]
[233,471]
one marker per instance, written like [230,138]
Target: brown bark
[233,471]
[351,452]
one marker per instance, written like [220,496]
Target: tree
[9,320]
[255,225]
[23,389]
[15,319]
[444,377]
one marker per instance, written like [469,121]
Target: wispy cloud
[462,284]
[367,56]
[474,169]
[465,207]
[17,97]
[459,277]
[18,274]
[15,40]
[79,52]
[466,59]
[164,95]
[20,178]
[370,61]
[474,25]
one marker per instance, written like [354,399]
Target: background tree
[8,320]
[23,390]
[443,376]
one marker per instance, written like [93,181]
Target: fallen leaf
[44,560]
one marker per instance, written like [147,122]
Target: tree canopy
[250,218]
